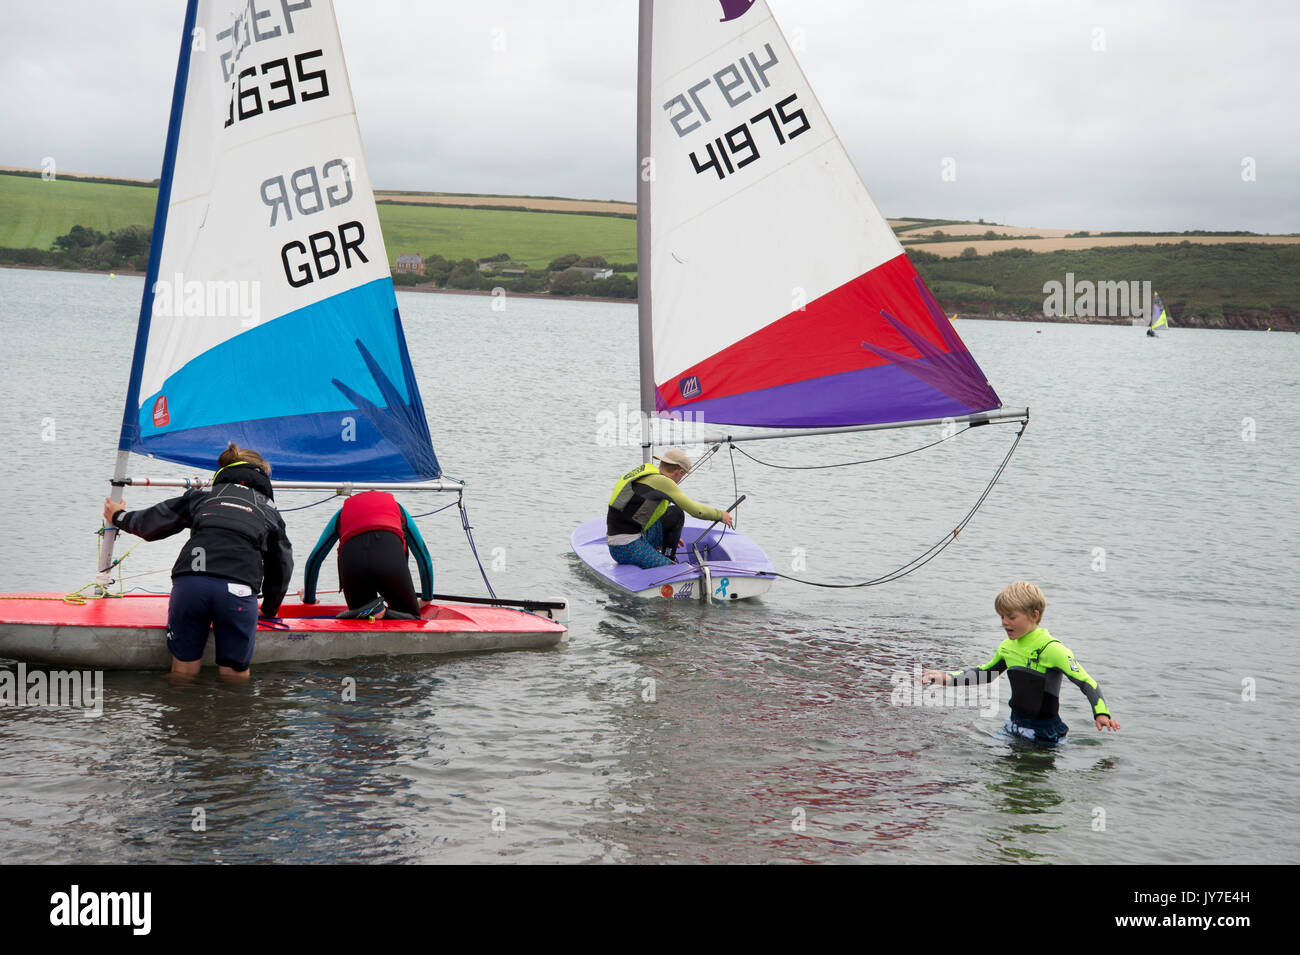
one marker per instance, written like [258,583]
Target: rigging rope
[849,464]
[303,507]
[78,597]
[926,556]
[434,511]
[469,535]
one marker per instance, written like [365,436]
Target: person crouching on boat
[375,535]
[645,519]
[1034,662]
[237,547]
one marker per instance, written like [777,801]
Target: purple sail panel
[879,395]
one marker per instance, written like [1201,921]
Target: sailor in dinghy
[374,534]
[644,524]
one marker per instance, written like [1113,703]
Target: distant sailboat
[265,204]
[773,293]
[1159,317]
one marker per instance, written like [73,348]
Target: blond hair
[234,453]
[1021,596]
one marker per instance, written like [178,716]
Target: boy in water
[1034,661]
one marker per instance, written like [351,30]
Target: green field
[532,237]
[34,212]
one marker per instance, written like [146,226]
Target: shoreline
[1256,326]
[55,268]
[509,294]
[398,288]
[1242,324]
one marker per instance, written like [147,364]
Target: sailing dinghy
[773,293]
[1159,317]
[265,201]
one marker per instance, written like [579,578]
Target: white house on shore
[591,273]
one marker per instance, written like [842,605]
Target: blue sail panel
[323,393]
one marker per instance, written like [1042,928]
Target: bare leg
[186,667]
[234,676]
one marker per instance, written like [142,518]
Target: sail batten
[782,298]
[269,286]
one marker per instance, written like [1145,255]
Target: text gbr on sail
[308,191]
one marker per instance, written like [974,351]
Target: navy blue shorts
[227,608]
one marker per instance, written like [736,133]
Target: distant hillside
[591,207]
[1228,285]
[33,213]
[975,268]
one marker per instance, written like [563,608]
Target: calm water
[1163,539]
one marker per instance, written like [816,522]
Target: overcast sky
[1135,114]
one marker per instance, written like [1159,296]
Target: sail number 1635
[247,101]
[739,144]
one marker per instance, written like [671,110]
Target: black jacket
[236,533]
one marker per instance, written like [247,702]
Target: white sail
[780,294]
[273,317]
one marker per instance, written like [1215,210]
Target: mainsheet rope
[916,562]
[78,597]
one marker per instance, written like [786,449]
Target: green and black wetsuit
[1034,665]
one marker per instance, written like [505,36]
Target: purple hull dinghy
[734,566]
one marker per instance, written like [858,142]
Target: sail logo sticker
[690,387]
[685,590]
[161,418]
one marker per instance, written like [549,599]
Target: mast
[645,174]
[130,424]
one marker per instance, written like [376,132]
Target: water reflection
[281,769]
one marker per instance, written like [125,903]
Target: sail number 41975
[728,89]
[739,143]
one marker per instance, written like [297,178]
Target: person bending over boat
[1034,662]
[375,534]
[643,526]
[237,547]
